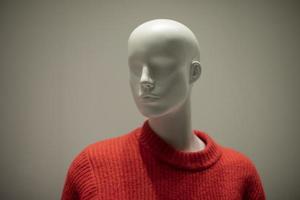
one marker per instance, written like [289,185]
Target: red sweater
[140,165]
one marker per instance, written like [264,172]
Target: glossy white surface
[163,60]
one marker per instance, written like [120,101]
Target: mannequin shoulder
[111,148]
[241,168]
[236,159]
[113,143]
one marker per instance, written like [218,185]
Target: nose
[146,81]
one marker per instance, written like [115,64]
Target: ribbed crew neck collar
[185,160]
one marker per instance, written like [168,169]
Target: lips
[149,96]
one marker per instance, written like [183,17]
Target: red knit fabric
[140,165]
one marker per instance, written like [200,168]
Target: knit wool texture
[140,165]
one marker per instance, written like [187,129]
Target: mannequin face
[159,71]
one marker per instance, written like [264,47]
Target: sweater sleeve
[254,186]
[80,182]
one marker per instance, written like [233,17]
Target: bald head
[163,60]
[167,34]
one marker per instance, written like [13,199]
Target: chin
[152,115]
[159,108]
[154,111]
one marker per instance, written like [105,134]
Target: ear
[195,71]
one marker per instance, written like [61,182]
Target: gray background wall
[64,84]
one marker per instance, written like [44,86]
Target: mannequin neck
[176,129]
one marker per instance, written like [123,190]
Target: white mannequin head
[163,59]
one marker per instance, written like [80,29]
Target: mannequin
[164,62]
[164,158]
